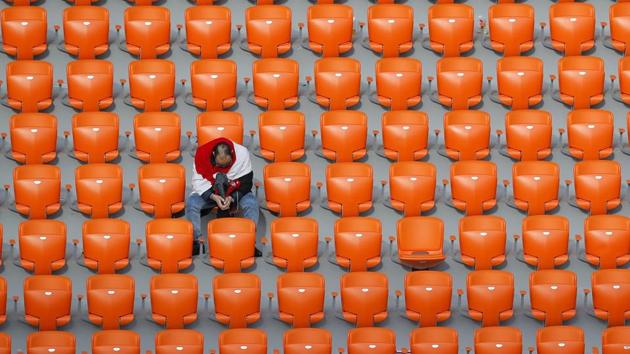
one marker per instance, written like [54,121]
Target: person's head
[222,156]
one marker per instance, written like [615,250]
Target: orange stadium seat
[438,340]
[344,135]
[390,29]
[459,82]
[545,241]
[420,252]
[581,82]
[268,30]
[190,341]
[85,31]
[115,341]
[47,301]
[5,343]
[294,243]
[552,296]
[33,138]
[37,190]
[358,243]
[535,186]
[519,82]
[162,188]
[560,339]
[597,186]
[236,299]
[90,85]
[156,137]
[510,29]
[622,93]
[238,340]
[589,134]
[451,29]
[169,245]
[614,340]
[473,186]
[611,289]
[496,340]
[363,298]
[208,31]
[337,83]
[349,188]
[24,32]
[490,296]
[281,135]
[105,245]
[482,241]
[99,189]
[571,28]
[330,29]
[42,342]
[3,313]
[405,135]
[151,85]
[219,124]
[110,300]
[29,85]
[275,84]
[315,340]
[287,187]
[147,31]
[398,83]
[42,246]
[95,137]
[428,297]
[371,339]
[412,187]
[213,84]
[174,300]
[231,242]
[617,39]
[300,298]
[466,135]
[528,135]
[606,241]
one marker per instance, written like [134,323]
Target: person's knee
[193,205]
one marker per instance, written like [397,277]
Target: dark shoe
[196,247]
[257,252]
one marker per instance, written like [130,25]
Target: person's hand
[227,202]
[219,200]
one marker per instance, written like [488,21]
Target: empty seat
[490,296]
[287,187]
[555,339]
[186,341]
[398,83]
[420,252]
[4,339]
[29,85]
[42,246]
[294,243]
[156,136]
[496,340]
[459,82]
[5,343]
[169,245]
[552,296]
[33,138]
[275,83]
[99,189]
[473,186]
[428,298]
[47,300]
[213,83]
[208,31]
[236,299]
[482,241]
[85,31]
[405,135]
[622,93]
[619,29]
[581,82]
[151,84]
[358,242]
[90,85]
[232,243]
[451,29]
[162,188]
[614,340]
[174,300]
[110,299]
[412,187]
[344,135]
[571,28]
[390,29]
[535,186]
[241,339]
[545,241]
[590,134]
[597,186]
[281,135]
[24,32]
[115,341]
[349,188]
[147,31]
[511,29]
[371,339]
[105,245]
[364,298]
[337,83]
[528,135]
[95,137]
[330,29]
[439,340]
[466,135]
[611,290]
[315,340]
[37,190]
[519,82]
[219,124]
[607,241]
[268,30]
[51,342]
[301,298]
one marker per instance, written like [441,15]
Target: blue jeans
[195,204]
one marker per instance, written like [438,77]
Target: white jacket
[240,168]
